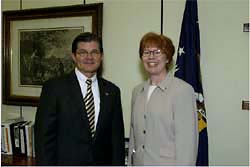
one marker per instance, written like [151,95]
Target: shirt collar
[163,85]
[83,78]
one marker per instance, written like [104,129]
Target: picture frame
[246,27]
[30,37]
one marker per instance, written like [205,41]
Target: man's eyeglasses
[155,53]
[84,53]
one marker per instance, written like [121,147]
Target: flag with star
[188,69]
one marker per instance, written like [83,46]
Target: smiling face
[87,58]
[154,61]
[156,52]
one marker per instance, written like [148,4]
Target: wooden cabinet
[10,160]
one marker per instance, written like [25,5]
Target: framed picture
[37,46]
[246,27]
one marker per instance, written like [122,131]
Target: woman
[163,120]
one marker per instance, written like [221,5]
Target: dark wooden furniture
[10,160]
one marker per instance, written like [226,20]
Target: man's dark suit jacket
[62,135]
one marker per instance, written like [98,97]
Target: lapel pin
[106,93]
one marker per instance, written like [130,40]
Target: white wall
[226,79]
[224,61]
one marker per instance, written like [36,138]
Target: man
[80,122]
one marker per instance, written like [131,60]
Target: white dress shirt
[95,89]
[150,91]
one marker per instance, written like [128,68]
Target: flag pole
[161,16]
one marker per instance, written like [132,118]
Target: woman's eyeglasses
[155,53]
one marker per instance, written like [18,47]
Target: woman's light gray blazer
[164,129]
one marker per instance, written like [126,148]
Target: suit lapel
[104,95]
[77,100]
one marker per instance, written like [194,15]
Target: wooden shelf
[10,160]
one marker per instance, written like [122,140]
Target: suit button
[143,146]
[144,131]
[144,116]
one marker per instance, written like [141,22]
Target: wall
[224,61]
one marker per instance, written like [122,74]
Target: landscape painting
[45,53]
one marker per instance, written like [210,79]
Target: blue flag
[188,69]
